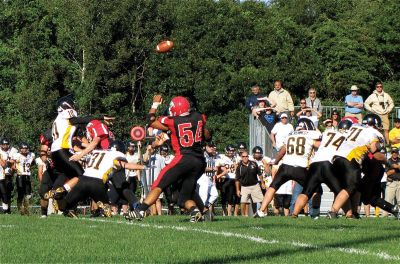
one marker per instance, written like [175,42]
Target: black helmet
[230,147]
[305,124]
[65,102]
[117,145]
[345,124]
[372,120]
[164,148]
[242,145]
[23,145]
[257,150]
[5,141]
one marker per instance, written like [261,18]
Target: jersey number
[335,143]
[96,158]
[296,146]
[355,132]
[186,137]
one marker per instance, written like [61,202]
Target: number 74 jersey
[300,147]
[357,143]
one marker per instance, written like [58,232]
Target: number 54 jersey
[358,140]
[300,147]
[101,163]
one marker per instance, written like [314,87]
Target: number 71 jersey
[101,163]
[358,140]
[300,147]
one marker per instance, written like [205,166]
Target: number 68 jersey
[101,163]
[300,147]
[358,140]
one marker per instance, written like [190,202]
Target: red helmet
[351,119]
[179,105]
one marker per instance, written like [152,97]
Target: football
[165,46]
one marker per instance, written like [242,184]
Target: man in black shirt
[393,178]
[248,175]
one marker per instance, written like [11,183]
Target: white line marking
[380,254]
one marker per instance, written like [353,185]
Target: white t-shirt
[286,188]
[131,159]
[281,131]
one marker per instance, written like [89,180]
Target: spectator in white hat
[280,131]
[354,103]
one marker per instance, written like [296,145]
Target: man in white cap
[280,131]
[354,103]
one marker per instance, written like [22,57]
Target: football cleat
[332,215]
[70,214]
[56,194]
[196,216]
[105,209]
[135,214]
[259,214]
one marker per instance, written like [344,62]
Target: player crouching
[92,184]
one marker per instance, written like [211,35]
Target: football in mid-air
[164,46]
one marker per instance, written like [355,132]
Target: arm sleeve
[290,102]
[367,104]
[82,120]
[390,104]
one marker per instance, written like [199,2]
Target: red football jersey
[186,133]
[95,128]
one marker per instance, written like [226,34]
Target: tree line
[104,53]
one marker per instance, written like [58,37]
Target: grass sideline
[171,239]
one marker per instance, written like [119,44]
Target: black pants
[286,173]
[24,186]
[65,166]
[318,173]
[87,187]
[47,183]
[349,173]
[228,192]
[370,186]
[3,192]
[186,169]
[9,186]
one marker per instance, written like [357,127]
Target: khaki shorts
[385,121]
[358,116]
[251,193]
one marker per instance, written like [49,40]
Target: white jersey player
[92,183]
[360,140]
[300,146]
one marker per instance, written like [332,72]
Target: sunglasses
[379,86]
[302,102]
[245,156]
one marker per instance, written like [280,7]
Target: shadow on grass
[288,252]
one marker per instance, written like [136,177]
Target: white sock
[5,206]
[67,187]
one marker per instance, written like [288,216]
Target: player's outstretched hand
[157,98]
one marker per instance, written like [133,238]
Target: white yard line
[351,251]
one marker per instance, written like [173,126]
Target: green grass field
[170,239]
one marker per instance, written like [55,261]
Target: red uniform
[95,128]
[189,163]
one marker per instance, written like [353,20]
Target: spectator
[380,103]
[252,101]
[393,179]
[328,124]
[354,103]
[282,99]
[309,113]
[313,102]
[282,199]
[280,131]
[266,115]
[248,174]
[394,134]
[335,118]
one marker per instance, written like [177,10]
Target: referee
[248,174]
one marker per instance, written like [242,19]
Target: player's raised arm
[151,117]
